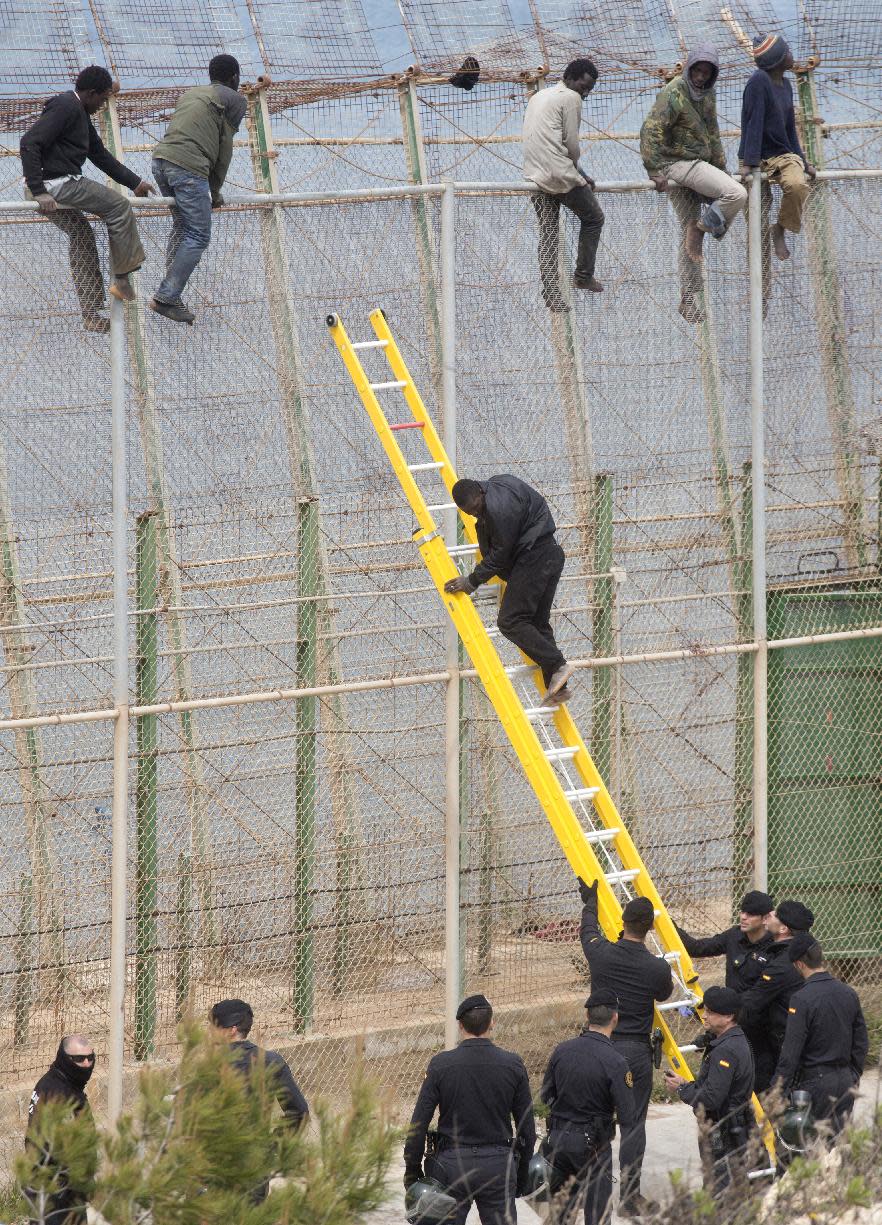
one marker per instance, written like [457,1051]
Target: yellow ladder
[558,766]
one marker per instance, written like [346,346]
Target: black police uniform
[763,1013]
[587,1084]
[825,1047]
[478,1089]
[639,978]
[280,1081]
[723,1087]
[65,1081]
[742,966]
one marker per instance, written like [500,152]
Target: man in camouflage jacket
[681,150]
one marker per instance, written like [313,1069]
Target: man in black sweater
[479,1091]
[53,151]
[516,535]
[639,979]
[739,944]
[65,1081]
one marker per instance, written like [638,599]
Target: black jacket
[64,1082]
[288,1095]
[638,977]
[587,1078]
[742,966]
[61,140]
[763,1013]
[478,1090]
[725,1078]
[825,1028]
[515,517]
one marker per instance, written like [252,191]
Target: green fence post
[742,867]
[24,965]
[304,951]
[602,636]
[146,851]
[183,936]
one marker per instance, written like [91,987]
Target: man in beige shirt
[551,161]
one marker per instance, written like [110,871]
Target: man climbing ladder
[516,535]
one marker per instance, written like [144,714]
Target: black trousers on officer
[832,1094]
[588,1171]
[638,1053]
[485,1174]
[722,1171]
[64,1208]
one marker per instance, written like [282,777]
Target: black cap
[723,1000]
[757,903]
[228,1013]
[470,1002]
[638,910]
[602,997]
[800,945]
[795,915]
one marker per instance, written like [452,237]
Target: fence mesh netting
[292,852]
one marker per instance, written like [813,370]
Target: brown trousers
[789,173]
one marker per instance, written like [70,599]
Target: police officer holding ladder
[639,979]
[477,1089]
[588,1084]
[721,1092]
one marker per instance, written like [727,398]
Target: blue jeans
[191,226]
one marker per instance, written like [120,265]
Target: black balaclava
[77,1073]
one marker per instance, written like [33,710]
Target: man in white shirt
[551,161]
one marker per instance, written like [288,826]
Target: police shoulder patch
[791,1010]
[723,1063]
[629,1079]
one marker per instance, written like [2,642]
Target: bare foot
[693,242]
[779,242]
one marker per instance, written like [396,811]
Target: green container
[825,764]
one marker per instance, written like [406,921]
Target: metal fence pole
[758,509]
[116,1037]
[146,814]
[453,973]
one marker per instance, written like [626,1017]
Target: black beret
[757,903]
[638,910]
[470,1002]
[795,916]
[800,945]
[228,1013]
[723,1000]
[602,997]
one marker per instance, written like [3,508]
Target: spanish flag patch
[723,1063]
[767,977]
[791,1010]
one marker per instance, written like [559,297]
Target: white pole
[121,723]
[758,499]
[452,934]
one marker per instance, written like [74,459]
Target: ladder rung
[493,631]
[409,425]
[371,344]
[392,385]
[687,1050]
[442,506]
[459,550]
[670,1005]
[518,669]
[601,835]
[433,467]
[582,793]
[674,955]
[617,878]
[563,754]
[536,712]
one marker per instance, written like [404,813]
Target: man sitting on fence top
[681,147]
[551,161]
[190,163]
[53,151]
[769,139]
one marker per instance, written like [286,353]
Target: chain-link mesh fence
[291,850]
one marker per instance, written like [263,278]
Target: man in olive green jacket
[681,149]
[191,163]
